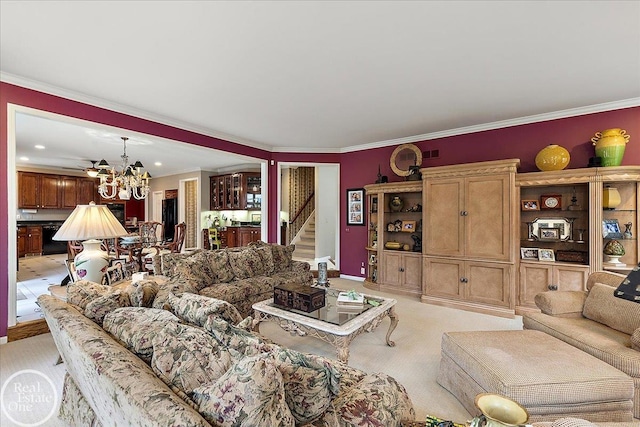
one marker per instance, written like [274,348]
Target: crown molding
[519,121]
[124,109]
[572,112]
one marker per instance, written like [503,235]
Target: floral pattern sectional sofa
[241,276]
[196,363]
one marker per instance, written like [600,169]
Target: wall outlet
[362,270]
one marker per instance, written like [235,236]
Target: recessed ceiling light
[158,163]
[24,159]
[39,147]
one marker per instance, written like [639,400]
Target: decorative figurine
[417,243]
[627,232]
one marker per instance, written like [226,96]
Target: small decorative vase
[627,232]
[396,204]
[610,197]
[613,250]
[552,158]
[610,145]
[498,411]
[92,262]
[322,274]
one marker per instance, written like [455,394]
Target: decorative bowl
[393,245]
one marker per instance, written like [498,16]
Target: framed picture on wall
[355,206]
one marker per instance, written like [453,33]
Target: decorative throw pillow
[135,327]
[309,386]
[196,309]
[266,254]
[83,292]
[169,261]
[187,357]
[219,266]
[250,393]
[237,339]
[245,263]
[603,307]
[629,289]
[282,256]
[195,270]
[142,293]
[99,307]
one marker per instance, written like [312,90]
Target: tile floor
[35,275]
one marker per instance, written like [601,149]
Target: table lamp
[90,223]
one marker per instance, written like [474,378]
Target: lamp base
[92,262]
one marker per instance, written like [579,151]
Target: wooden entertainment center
[480,224]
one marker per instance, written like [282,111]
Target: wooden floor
[27,329]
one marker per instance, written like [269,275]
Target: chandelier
[129,181]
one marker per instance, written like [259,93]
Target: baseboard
[356,278]
[3,340]
[27,329]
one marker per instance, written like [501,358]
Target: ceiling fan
[91,171]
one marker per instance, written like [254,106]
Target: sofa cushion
[602,306]
[309,386]
[249,394]
[282,256]
[99,307]
[142,293]
[238,340]
[195,270]
[186,357]
[635,340]
[196,309]
[245,263]
[135,327]
[219,266]
[83,292]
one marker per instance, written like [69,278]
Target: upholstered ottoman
[550,378]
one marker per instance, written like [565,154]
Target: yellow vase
[552,158]
[610,197]
[610,145]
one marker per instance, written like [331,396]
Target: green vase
[610,145]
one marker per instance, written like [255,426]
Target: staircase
[305,241]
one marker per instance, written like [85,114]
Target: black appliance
[50,246]
[169,218]
[117,209]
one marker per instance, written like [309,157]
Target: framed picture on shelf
[551,201]
[71,270]
[355,206]
[549,233]
[529,253]
[611,229]
[373,259]
[530,205]
[408,226]
[546,255]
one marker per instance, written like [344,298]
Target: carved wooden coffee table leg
[394,322]
[343,353]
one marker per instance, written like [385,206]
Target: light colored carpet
[413,361]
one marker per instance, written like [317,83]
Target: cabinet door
[87,191]
[28,190]
[570,278]
[442,278]
[442,218]
[488,283]
[34,240]
[487,220]
[50,194]
[69,186]
[22,241]
[232,237]
[245,236]
[391,274]
[534,278]
[412,264]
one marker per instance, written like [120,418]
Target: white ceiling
[324,76]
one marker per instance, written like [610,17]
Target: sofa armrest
[300,266]
[561,303]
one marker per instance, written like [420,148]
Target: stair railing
[295,224]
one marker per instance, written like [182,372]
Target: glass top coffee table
[336,324]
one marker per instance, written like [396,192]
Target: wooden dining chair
[214,239]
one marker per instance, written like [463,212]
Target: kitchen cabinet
[246,235]
[228,237]
[39,191]
[29,240]
[238,191]
[469,226]
[87,191]
[536,277]
[69,186]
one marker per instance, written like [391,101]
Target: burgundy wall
[356,169]
[521,142]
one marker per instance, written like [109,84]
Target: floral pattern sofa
[241,276]
[197,363]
